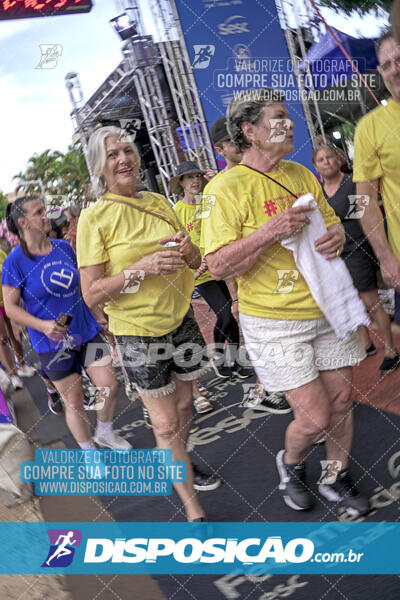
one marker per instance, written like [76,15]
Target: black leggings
[217,295]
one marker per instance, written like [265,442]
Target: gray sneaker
[293,484]
[274,402]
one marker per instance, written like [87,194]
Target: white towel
[329,281]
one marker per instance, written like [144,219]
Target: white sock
[89,445]
[104,429]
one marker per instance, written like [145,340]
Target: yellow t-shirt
[377,156]
[209,198]
[3,257]
[246,200]
[119,236]
[187,214]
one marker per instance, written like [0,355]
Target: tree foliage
[361,7]
[63,178]
[3,204]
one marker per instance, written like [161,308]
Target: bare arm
[372,224]
[232,287]
[238,257]
[97,289]
[372,219]
[14,311]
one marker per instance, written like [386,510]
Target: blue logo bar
[200,548]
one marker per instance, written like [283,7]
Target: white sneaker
[26,371]
[16,382]
[116,442]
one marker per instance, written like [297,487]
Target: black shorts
[149,362]
[363,266]
[57,365]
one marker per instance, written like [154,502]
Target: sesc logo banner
[191,550]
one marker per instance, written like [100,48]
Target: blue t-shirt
[50,285]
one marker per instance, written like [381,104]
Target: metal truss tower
[294,12]
[182,85]
[140,68]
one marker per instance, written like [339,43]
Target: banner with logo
[239,44]
[200,548]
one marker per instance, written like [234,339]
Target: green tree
[63,176]
[3,204]
[74,175]
[361,7]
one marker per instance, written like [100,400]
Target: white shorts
[288,354]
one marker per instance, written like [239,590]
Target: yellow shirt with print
[119,236]
[246,200]
[377,156]
[187,214]
[3,257]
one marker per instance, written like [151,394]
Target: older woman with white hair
[252,214]
[145,290]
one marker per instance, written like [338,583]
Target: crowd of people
[232,235]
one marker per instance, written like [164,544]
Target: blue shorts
[57,365]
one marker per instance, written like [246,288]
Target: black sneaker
[274,402]
[390,364]
[219,368]
[293,484]
[242,372]
[54,402]
[371,350]
[344,491]
[204,482]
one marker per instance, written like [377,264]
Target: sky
[34,103]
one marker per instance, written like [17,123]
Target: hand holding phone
[64,320]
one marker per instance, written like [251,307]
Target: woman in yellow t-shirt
[145,290]
[189,183]
[291,344]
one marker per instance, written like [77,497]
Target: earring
[257,143]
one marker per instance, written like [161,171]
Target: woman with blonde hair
[135,261]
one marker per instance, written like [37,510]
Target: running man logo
[204,203]
[50,55]
[286,280]
[329,471]
[202,55]
[279,128]
[62,547]
[357,205]
[133,278]
[129,129]
[241,52]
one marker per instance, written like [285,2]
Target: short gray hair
[97,156]
[247,106]
[388,34]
